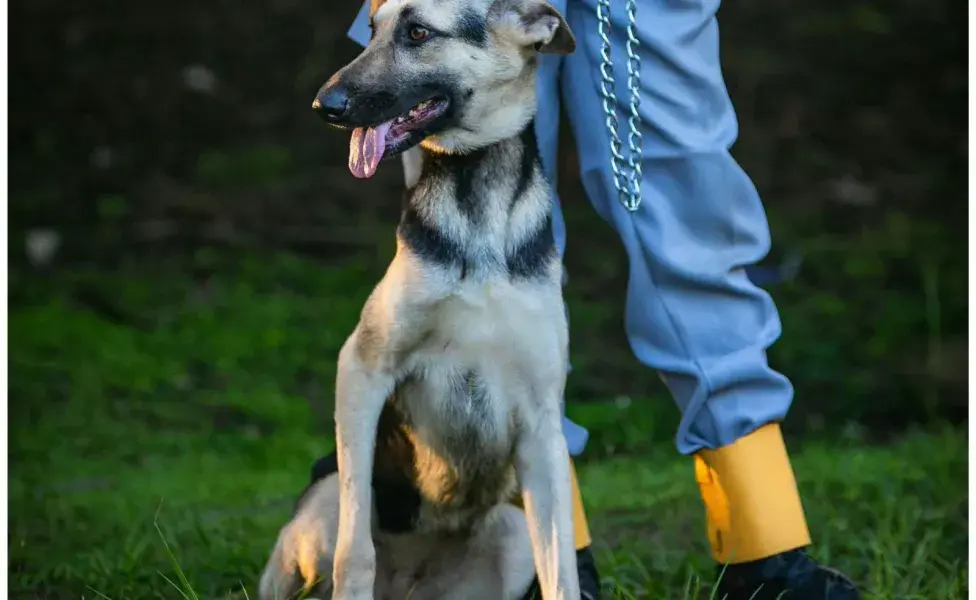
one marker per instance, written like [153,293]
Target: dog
[449,389]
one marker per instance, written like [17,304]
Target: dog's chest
[460,392]
[492,318]
[465,371]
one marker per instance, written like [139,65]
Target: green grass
[161,426]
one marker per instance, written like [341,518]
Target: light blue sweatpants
[691,311]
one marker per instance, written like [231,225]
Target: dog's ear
[534,24]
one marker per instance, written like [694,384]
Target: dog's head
[454,75]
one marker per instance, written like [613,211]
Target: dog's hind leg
[302,556]
[494,564]
[501,557]
[281,577]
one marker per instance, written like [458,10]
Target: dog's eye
[418,33]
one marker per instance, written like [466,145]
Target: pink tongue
[366,149]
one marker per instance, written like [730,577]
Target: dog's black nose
[332,102]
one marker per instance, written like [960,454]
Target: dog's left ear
[535,24]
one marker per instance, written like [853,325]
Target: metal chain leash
[627,179]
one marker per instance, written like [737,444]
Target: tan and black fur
[449,389]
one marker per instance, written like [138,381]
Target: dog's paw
[354,572]
[354,584]
[352,596]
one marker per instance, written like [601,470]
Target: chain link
[627,179]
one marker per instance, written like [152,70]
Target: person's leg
[691,311]
[547,136]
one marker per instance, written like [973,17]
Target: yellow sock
[581,530]
[751,501]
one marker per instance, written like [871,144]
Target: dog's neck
[495,127]
[485,212]
[518,151]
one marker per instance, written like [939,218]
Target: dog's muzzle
[383,122]
[332,102]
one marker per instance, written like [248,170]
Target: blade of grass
[176,564]
[98,593]
[172,583]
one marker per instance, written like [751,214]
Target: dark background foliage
[146,132]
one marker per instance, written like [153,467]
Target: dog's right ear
[534,24]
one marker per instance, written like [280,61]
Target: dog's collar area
[510,164]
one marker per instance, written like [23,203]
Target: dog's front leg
[542,466]
[361,392]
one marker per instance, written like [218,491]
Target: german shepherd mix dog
[449,390]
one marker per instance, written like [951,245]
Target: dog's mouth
[370,145]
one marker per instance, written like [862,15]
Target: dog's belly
[462,435]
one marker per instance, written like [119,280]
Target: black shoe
[589,578]
[791,575]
